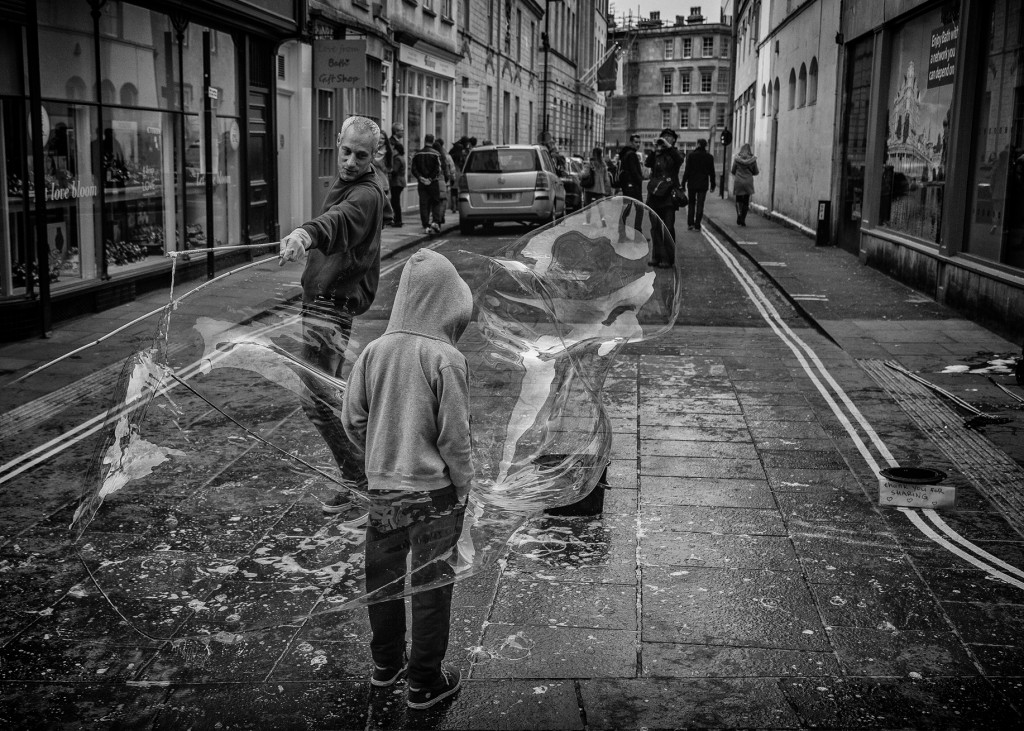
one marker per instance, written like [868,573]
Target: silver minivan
[509,183]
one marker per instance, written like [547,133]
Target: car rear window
[502,161]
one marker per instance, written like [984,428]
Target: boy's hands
[462,492]
[294,246]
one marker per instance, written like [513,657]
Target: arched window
[775,103]
[812,82]
[801,86]
[764,101]
[791,100]
[129,95]
[75,88]
[108,91]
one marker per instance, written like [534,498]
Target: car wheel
[466,227]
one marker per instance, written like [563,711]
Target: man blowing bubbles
[339,281]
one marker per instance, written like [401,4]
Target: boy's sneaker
[385,677]
[447,685]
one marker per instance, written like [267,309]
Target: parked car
[509,183]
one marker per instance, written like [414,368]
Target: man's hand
[294,246]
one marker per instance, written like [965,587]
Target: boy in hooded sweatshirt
[406,409]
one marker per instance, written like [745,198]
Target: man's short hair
[702,142]
[397,127]
[428,139]
[364,125]
[669,132]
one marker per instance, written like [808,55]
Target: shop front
[932,188]
[424,88]
[127,134]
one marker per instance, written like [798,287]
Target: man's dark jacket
[344,260]
[630,174]
[427,165]
[699,171]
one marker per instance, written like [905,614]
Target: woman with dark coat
[664,163]
[744,168]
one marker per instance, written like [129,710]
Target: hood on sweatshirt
[432,299]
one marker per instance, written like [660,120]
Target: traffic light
[726,137]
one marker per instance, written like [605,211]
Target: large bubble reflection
[202,515]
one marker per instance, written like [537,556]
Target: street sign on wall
[470,99]
[339,64]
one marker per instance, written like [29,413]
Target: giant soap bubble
[201,516]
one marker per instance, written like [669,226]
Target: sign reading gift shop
[339,64]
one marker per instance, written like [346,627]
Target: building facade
[932,150]
[130,130]
[784,101]
[676,75]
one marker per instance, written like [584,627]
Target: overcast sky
[669,8]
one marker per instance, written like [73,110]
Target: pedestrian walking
[407,409]
[397,181]
[631,181]
[664,162]
[744,168]
[447,198]
[427,166]
[595,182]
[339,282]
[698,176]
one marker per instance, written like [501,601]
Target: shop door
[262,179]
[855,143]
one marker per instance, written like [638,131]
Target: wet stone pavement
[740,576]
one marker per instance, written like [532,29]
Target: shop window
[918,102]
[75,89]
[65,32]
[995,226]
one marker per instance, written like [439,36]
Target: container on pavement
[590,504]
[914,487]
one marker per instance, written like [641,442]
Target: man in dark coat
[631,177]
[428,167]
[339,282]
[698,175]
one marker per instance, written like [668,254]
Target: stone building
[674,74]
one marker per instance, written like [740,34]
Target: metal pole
[721,180]
[208,151]
[42,250]
[547,63]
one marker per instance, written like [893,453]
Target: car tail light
[542,182]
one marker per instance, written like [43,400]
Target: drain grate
[995,475]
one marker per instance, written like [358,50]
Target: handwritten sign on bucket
[913,487]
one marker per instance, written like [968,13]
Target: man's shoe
[447,685]
[435,229]
[340,503]
[386,677]
[428,230]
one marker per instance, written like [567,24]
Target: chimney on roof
[695,16]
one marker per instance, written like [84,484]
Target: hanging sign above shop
[339,64]
[942,56]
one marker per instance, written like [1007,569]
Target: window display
[996,223]
[923,67]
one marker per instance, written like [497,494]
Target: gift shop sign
[339,64]
[942,56]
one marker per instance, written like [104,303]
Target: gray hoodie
[407,402]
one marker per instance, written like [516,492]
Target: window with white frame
[687,48]
[666,83]
[720,116]
[707,49]
[666,117]
[704,117]
[684,117]
[446,9]
[684,81]
[723,47]
[723,81]
[670,48]
[705,81]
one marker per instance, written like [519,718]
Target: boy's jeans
[428,525]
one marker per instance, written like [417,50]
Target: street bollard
[824,233]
